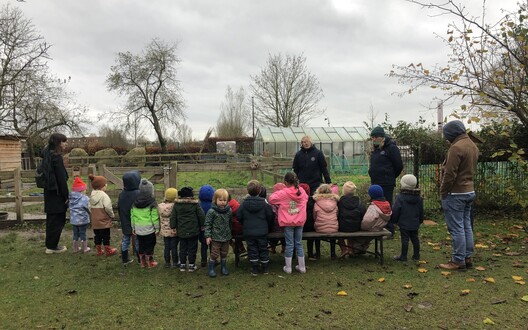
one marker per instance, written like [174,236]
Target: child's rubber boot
[143,260]
[150,261]
[75,246]
[85,247]
[287,267]
[100,251]
[110,251]
[265,267]
[254,268]
[301,267]
[224,267]
[210,268]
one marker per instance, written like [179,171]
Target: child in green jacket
[145,222]
[218,222]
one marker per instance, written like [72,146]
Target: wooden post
[91,170]
[173,175]
[19,206]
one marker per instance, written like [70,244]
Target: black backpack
[43,171]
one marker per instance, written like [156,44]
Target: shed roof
[318,134]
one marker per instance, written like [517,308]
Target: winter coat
[126,199]
[218,223]
[325,213]
[205,196]
[292,207]
[256,216]
[79,209]
[459,167]
[408,211]
[101,212]
[164,211]
[145,216]
[236,226]
[187,217]
[310,166]
[351,212]
[56,195]
[309,224]
[377,216]
[385,163]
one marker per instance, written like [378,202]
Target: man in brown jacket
[458,192]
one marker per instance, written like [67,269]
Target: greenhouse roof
[318,134]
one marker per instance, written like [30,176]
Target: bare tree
[113,136]
[183,133]
[488,65]
[371,118]
[233,120]
[148,80]
[285,92]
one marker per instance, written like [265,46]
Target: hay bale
[102,157]
[135,157]
[77,152]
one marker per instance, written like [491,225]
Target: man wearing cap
[457,191]
[385,164]
[310,165]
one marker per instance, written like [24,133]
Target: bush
[103,157]
[135,157]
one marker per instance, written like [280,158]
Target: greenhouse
[340,144]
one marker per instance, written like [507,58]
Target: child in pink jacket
[325,213]
[291,215]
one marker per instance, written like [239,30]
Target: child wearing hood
[378,212]
[170,237]
[205,198]
[79,215]
[351,212]
[408,214]
[325,213]
[218,222]
[101,214]
[146,223]
[126,199]
[292,216]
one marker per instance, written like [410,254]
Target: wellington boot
[288,265]
[85,247]
[75,246]
[223,266]
[110,251]
[100,251]
[150,261]
[301,267]
[144,261]
[210,268]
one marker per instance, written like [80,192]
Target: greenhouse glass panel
[321,135]
[292,148]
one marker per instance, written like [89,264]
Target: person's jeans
[413,236]
[188,248]
[125,243]
[457,209]
[79,232]
[293,237]
[170,248]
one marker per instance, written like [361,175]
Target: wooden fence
[167,174]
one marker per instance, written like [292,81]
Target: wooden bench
[376,235]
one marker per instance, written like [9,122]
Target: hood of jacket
[75,198]
[131,180]
[224,209]
[144,200]
[349,202]
[254,204]
[292,193]
[384,207]
[327,202]
[411,196]
[96,196]
[206,193]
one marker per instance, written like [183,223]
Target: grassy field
[85,291]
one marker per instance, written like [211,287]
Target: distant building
[10,152]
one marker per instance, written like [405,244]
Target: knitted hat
[375,191]
[279,186]
[453,129]
[378,131]
[349,188]
[146,188]
[186,192]
[78,184]
[171,194]
[97,182]
[408,181]
[206,193]
[304,186]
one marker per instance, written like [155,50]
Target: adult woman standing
[56,192]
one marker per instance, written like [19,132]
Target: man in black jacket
[310,165]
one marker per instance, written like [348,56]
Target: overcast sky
[350,45]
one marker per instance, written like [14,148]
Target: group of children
[215,217]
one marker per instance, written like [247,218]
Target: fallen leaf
[497,255]
[465,292]
[224,322]
[422,270]
[425,305]
[436,248]
[489,280]
[422,262]
[471,279]
[481,246]
[520,282]
[525,298]
[511,254]
[379,293]
[381,279]
[517,227]
[326,311]
[480,268]
[408,307]
[35,277]
[429,223]
[412,295]
[498,301]
[342,293]
[407,286]
[517,278]
[487,320]
[446,273]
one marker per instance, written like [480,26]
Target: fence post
[91,170]
[19,206]
[173,173]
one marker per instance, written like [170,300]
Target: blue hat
[376,192]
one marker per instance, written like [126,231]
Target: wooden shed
[10,152]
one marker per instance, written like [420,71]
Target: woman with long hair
[56,192]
